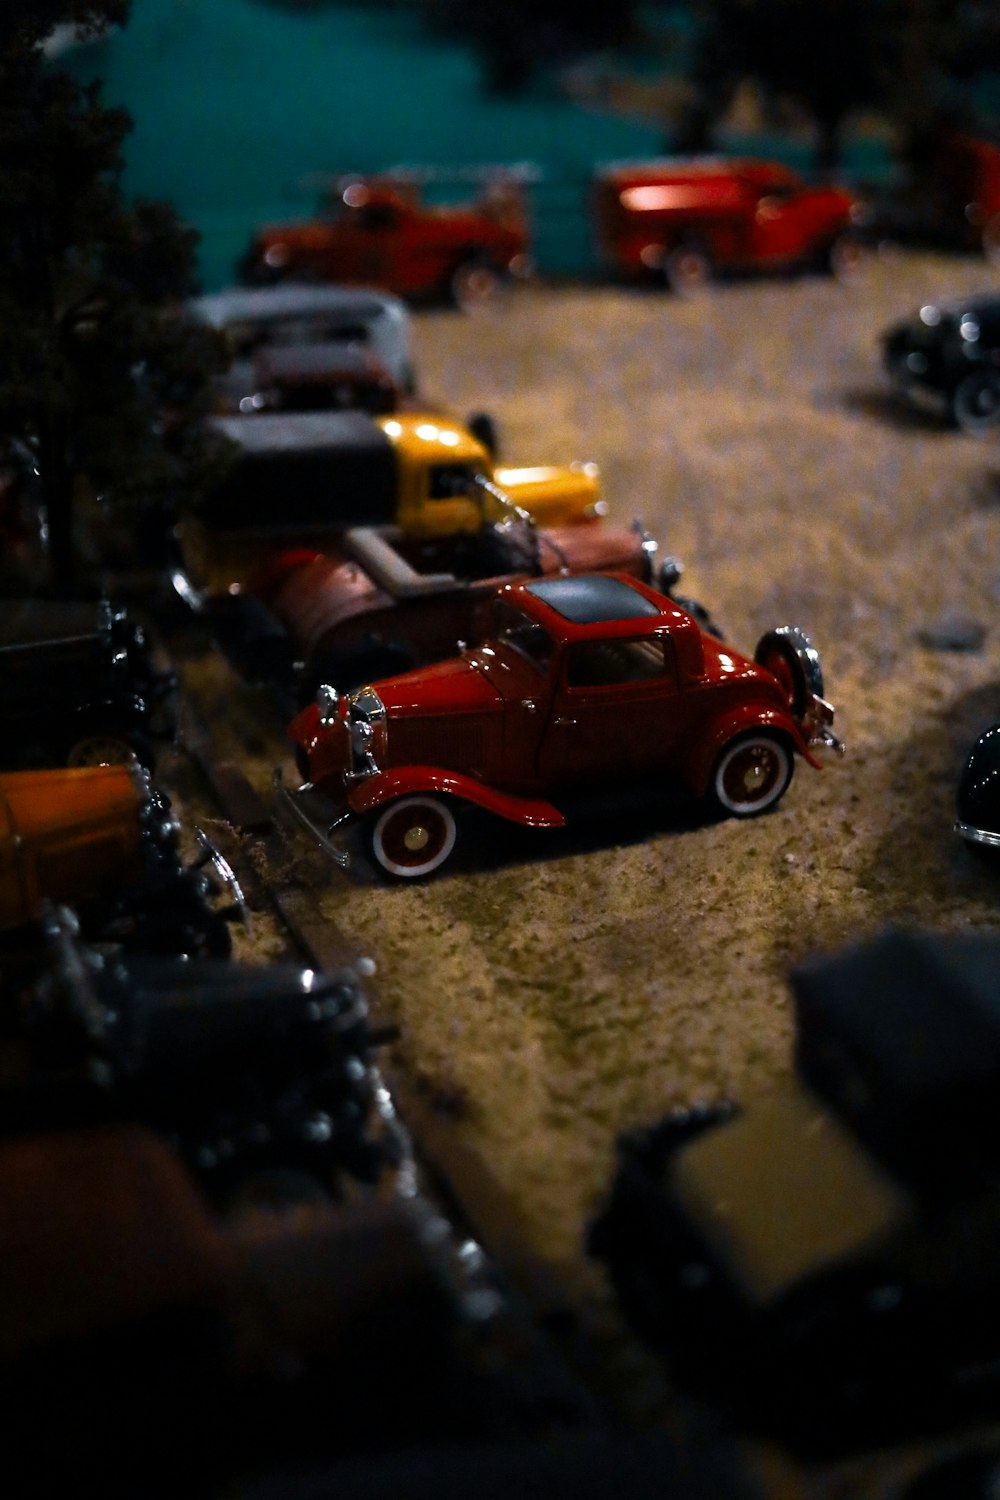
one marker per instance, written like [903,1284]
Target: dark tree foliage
[908,58]
[102,381]
[516,39]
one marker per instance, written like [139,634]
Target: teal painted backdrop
[237,103]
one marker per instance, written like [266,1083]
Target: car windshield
[512,627]
[316,328]
[450,481]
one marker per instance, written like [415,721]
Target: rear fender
[742,721]
[406,781]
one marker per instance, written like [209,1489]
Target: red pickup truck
[377,230]
[683,219]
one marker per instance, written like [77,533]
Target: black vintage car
[977,808]
[79,685]
[250,1072]
[949,356]
[821,1264]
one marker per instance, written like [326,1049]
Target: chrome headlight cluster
[366,719]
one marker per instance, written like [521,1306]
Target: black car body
[79,685]
[949,355]
[977,806]
[245,1070]
[822,1263]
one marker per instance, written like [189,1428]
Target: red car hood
[458,686]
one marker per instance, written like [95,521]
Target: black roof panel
[593,598]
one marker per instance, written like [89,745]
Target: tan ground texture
[566,987]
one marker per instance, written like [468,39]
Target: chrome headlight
[328,704]
[362,736]
[367,726]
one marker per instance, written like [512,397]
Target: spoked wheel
[788,654]
[752,774]
[975,405]
[413,836]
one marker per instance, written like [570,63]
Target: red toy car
[581,680]
[377,231]
[951,198]
[685,219]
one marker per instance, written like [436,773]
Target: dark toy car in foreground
[821,1264]
[193,1241]
[79,685]
[245,1070]
[977,808]
[580,681]
[948,356]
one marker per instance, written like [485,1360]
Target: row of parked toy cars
[678,219]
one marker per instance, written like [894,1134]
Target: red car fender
[742,721]
[406,781]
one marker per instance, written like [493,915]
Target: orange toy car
[100,839]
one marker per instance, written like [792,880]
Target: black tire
[175,924]
[752,773]
[412,836]
[687,269]
[975,403]
[207,936]
[788,654]
[991,240]
[108,745]
[475,284]
[844,258]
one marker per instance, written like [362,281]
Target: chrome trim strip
[287,798]
[224,870]
[978,835]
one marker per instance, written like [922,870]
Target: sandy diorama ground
[555,989]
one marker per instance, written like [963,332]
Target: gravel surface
[554,989]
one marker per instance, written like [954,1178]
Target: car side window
[446,481]
[602,663]
[514,628]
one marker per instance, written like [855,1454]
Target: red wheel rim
[752,774]
[415,837]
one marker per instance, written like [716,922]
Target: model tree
[103,383]
[912,60]
[514,40]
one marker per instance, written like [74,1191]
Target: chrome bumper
[976,835]
[293,801]
[817,727]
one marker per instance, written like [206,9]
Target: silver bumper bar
[976,835]
[292,801]
[816,726]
